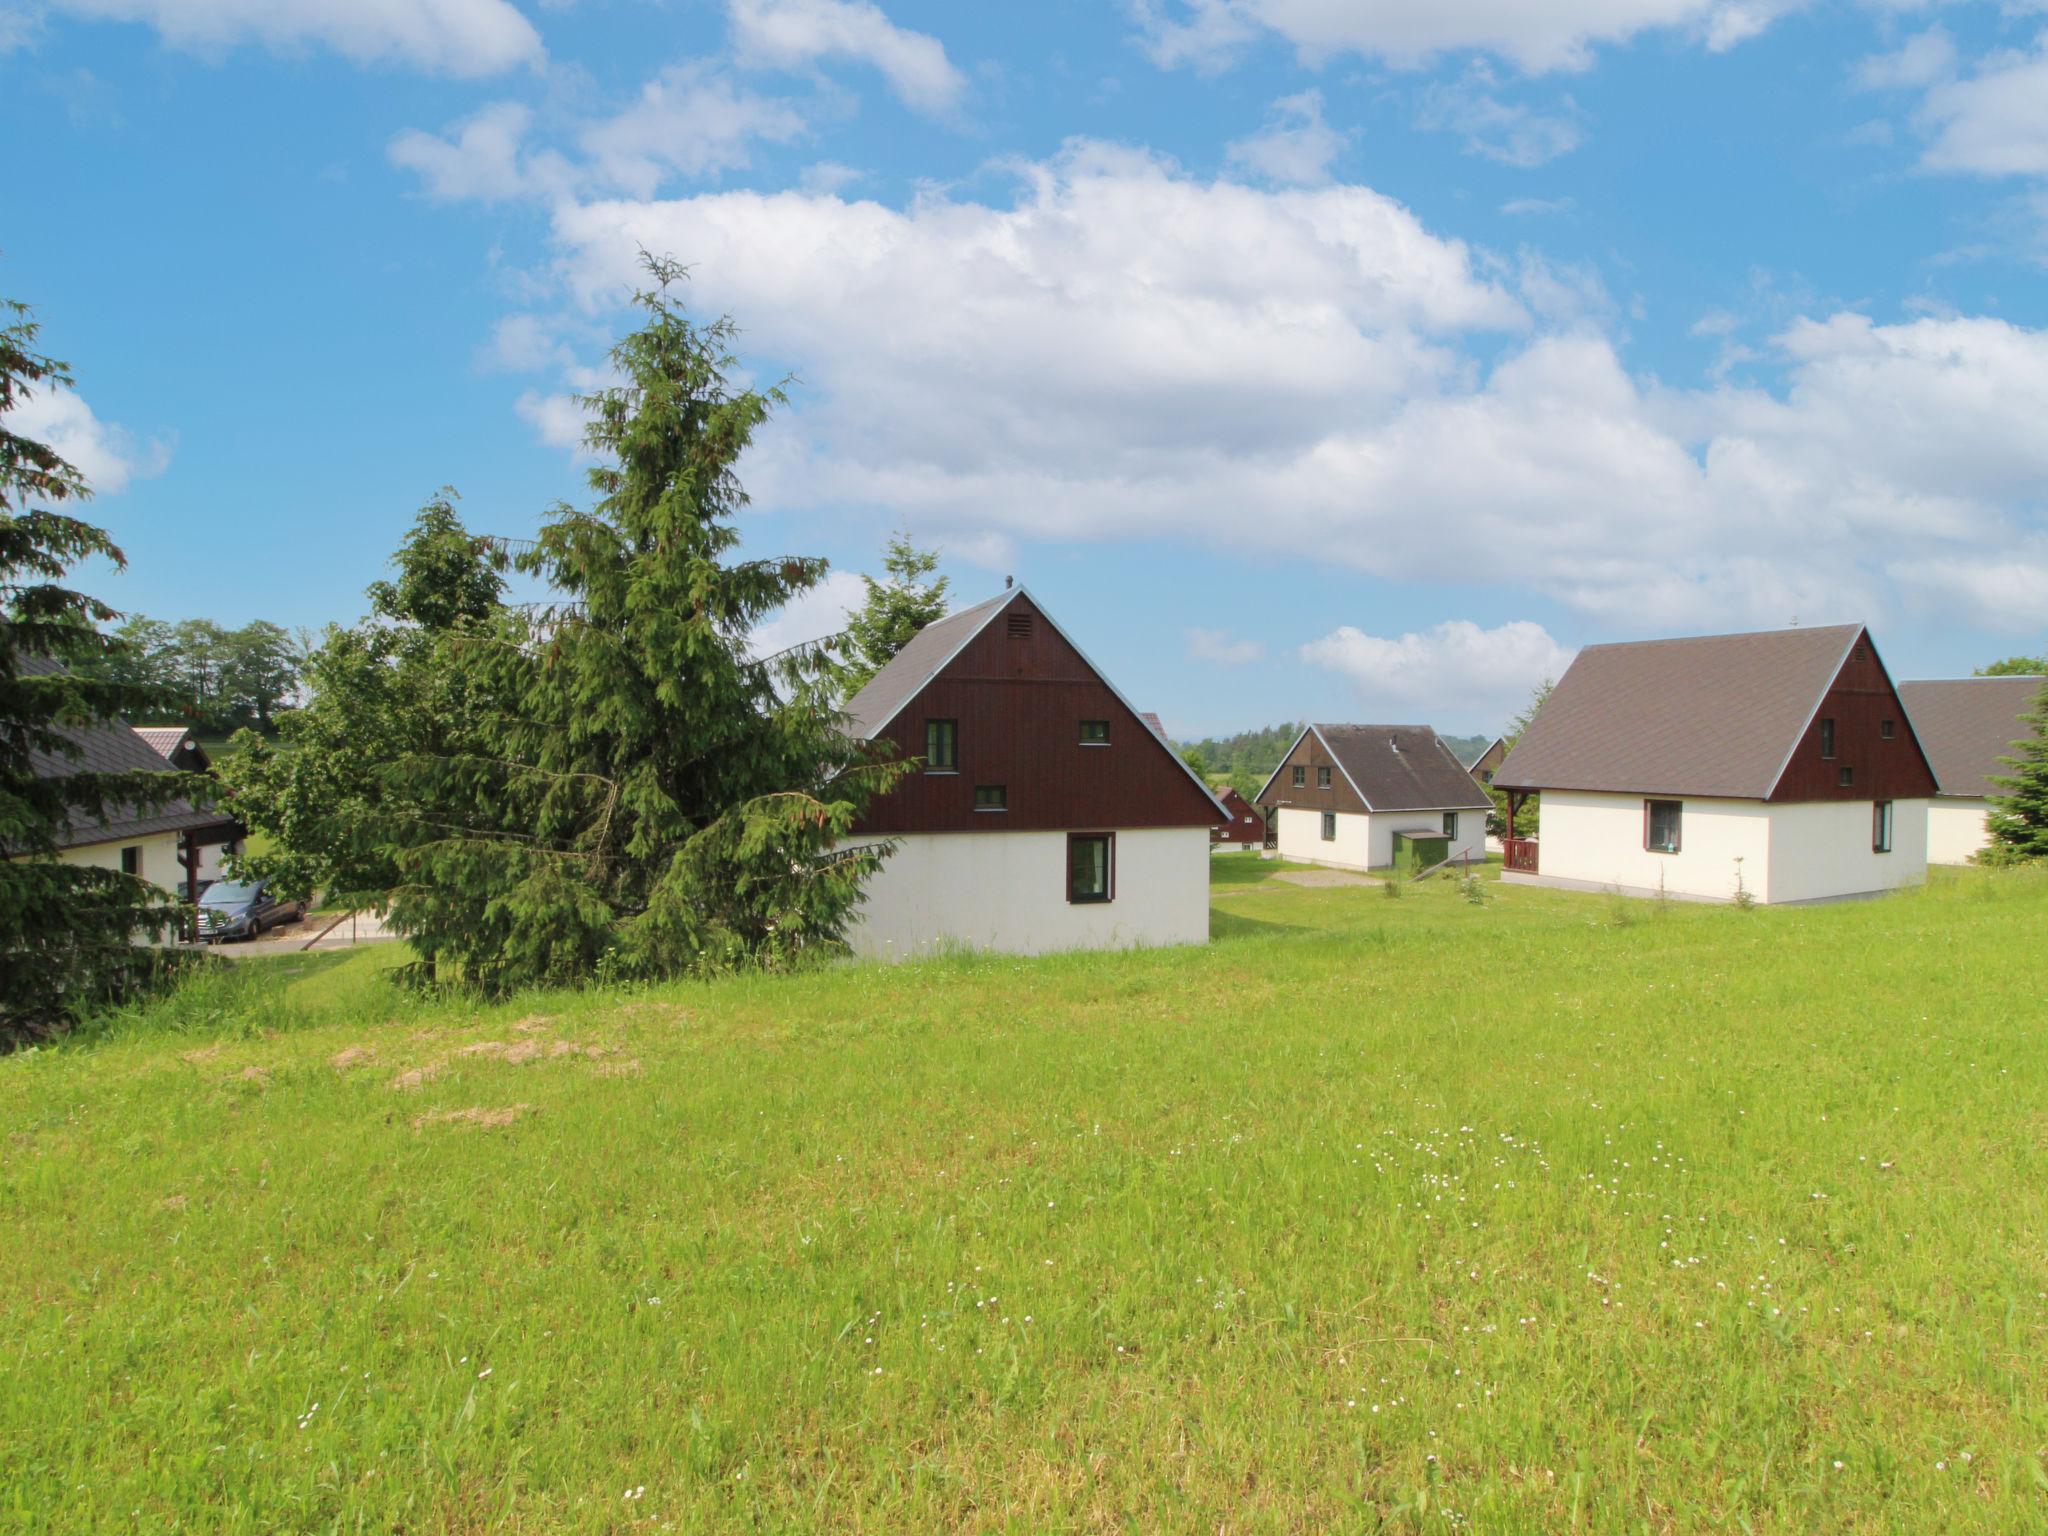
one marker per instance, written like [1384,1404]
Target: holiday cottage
[1246,828]
[1967,725]
[1358,796]
[1775,767]
[1043,812]
[1487,763]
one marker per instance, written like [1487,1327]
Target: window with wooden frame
[1888,729]
[942,746]
[1827,738]
[991,797]
[1094,733]
[1846,778]
[1881,827]
[1663,825]
[1450,823]
[1322,778]
[1091,867]
[1329,826]
[1300,776]
[131,860]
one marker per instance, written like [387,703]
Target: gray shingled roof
[1714,715]
[110,748]
[1402,768]
[1966,724]
[914,666]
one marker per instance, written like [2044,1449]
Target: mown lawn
[1550,1213]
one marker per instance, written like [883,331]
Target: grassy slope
[1554,1213]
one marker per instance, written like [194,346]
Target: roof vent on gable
[1862,652]
[1020,626]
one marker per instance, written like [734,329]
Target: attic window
[991,797]
[1827,738]
[1020,626]
[1848,777]
[1094,733]
[1887,730]
[1862,653]
[1322,778]
[1300,776]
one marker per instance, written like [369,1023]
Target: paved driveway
[320,932]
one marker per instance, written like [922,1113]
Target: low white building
[1044,813]
[1342,794]
[1780,766]
[1968,725]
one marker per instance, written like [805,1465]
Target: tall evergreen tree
[330,794]
[2019,817]
[645,797]
[894,612]
[67,931]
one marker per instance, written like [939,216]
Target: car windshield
[228,893]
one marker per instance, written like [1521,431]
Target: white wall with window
[1367,842]
[1830,848]
[1030,893]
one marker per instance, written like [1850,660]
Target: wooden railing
[1521,854]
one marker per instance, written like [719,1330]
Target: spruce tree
[2019,818]
[644,796]
[68,932]
[892,615]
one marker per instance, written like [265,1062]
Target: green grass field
[1556,1213]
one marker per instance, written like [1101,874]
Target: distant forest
[1248,758]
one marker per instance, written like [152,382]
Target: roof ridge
[1727,634]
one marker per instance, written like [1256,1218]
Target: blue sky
[1335,358]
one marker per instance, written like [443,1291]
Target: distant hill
[1465,748]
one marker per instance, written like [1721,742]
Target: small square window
[1827,738]
[1300,776]
[1847,777]
[1329,826]
[991,797]
[1322,778]
[1450,823]
[1091,867]
[1881,827]
[131,861]
[1663,825]
[1888,730]
[1094,733]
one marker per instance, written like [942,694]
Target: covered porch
[1517,853]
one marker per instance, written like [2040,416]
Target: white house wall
[1007,892]
[1598,839]
[1821,849]
[160,864]
[1367,842]
[1956,829]
[1469,843]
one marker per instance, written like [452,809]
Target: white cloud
[790,34]
[1918,62]
[1536,35]
[1220,647]
[480,161]
[454,37]
[815,614]
[1508,132]
[1993,122]
[108,456]
[1124,352]
[689,121]
[1295,148]
[1456,673]
[1523,207]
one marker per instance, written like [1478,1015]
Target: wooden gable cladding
[1310,753]
[1018,692]
[1859,702]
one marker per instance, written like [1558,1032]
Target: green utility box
[1420,850]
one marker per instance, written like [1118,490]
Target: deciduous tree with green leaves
[331,795]
[2016,666]
[645,797]
[68,932]
[2019,816]
[892,615]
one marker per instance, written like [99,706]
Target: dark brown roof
[914,666]
[110,748]
[1966,724]
[1402,768]
[1714,715]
